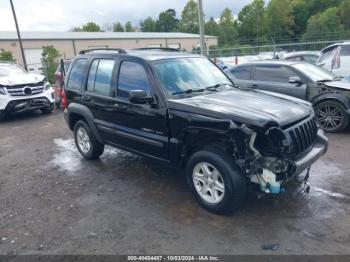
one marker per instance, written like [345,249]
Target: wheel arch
[76,112]
[344,101]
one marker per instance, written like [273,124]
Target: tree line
[258,22]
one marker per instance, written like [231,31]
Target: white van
[336,58]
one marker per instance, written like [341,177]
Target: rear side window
[76,76]
[100,76]
[242,72]
[273,73]
[132,76]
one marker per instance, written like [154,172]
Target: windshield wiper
[188,91]
[324,80]
[209,88]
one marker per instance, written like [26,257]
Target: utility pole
[19,37]
[201,27]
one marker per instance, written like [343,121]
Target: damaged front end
[274,155]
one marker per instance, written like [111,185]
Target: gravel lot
[54,202]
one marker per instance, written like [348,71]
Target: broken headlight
[273,142]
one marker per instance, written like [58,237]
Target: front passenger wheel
[86,142]
[217,184]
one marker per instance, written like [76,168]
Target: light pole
[201,27]
[19,37]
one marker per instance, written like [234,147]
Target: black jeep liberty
[180,109]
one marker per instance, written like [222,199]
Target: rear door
[240,75]
[275,78]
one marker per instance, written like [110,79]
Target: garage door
[33,57]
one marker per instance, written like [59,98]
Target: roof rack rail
[120,50]
[159,49]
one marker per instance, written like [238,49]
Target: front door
[140,128]
[275,78]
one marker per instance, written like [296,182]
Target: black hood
[245,106]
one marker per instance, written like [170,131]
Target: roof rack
[159,49]
[120,50]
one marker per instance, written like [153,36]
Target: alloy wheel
[329,117]
[208,182]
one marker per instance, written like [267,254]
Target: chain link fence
[265,51]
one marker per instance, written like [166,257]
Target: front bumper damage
[272,173]
[24,105]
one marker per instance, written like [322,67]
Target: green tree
[344,13]
[228,34]
[251,21]
[50,56]
[189,18]
[148,25]
[91,27]
[326,24]
[167,21]
[118,27]
[88,27]
[128,27]
[6,56]
[211,27]
[280,20]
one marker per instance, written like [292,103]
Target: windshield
[315,73]
[10,69]
[179,75]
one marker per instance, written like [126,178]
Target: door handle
[86,98]
[254,86]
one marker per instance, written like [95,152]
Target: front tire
[331,116]
[216,183]
[86,142]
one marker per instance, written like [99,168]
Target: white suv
[336,58]
[21,91]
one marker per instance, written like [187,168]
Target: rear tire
[331,116]
[216,183]
[86,142]
[49,109]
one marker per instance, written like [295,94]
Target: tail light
[64,102]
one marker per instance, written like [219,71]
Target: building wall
[68,48]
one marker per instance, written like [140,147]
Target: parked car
[21,91]
[181,110]
[329,95]
[306,56]
[336,58]
[59,77]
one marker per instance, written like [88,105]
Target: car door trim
[101,126]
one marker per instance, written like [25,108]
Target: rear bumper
[24,105]
[319,149]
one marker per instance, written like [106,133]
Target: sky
[62,15]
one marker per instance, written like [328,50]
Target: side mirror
[140,97]
[295,80]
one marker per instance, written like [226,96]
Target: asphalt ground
[54,202]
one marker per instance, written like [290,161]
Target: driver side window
[132,76]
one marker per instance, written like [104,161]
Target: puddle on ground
[329,193]
[68,159]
